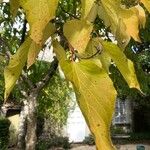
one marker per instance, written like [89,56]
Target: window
[121,116]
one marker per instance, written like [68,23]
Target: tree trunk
[31,136]
[22,126]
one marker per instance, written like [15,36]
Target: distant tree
[30,85]
[84,54]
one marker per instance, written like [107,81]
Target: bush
[117,130]
[89,140]
[139,136]
[4,133]
[57,141]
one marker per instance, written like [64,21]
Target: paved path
[122,147]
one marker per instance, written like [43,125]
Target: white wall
[76,128]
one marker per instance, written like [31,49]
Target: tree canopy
[83,54]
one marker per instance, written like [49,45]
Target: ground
[86,147]
[122,147]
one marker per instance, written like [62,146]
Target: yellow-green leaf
[14,5]
[78,33]
[39,13]
[146,4]
[93,13]
[122,37]
[141,15]
[94,50]
[124,65]
[105,60]
[122,22]
[91,50]
[14,68]
[95,95]
[27,52]
[131,22]
[33,52]
[86,7]
[35,49]
[108,12]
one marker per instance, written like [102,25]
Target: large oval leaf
[95,95]
[15,66]
[78,33]
[39,13]
[35,48]
[86,7]
[125,66]
[122,20]
[146,4]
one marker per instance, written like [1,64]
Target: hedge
[4,133]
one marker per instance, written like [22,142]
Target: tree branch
[23,32]
[7,48]
[24,93]
[48,76]
[72,15]
[27,80]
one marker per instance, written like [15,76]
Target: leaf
[122,37]
[38,14]
[78,33]
[86,7]
[141,15]
[105,60]
[108,12]
[94,50]
[146,4]
[131,22]
[14,5]
[93,13]
[35,49]
[122,22]
[33,52]
[95,95]
[15,66]
[124,65]
[27,52]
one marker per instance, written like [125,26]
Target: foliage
[4,133]
[10,30]
[117,130]
[90,82]
[55,103]
[89,140]
[87,66]
[1,89]
[55,142]
[139,53]
[10,37]
[139,136]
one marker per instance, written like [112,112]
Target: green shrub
[61,142]
[57,141]
[4,133]
[89,140]
[117,130]
[42,145]
[139,136]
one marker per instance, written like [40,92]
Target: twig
[48,76]
[72,15]
[23,32]
[27,80]
[7,48]
[24,93]
[99,50]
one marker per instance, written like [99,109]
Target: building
[77,129]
